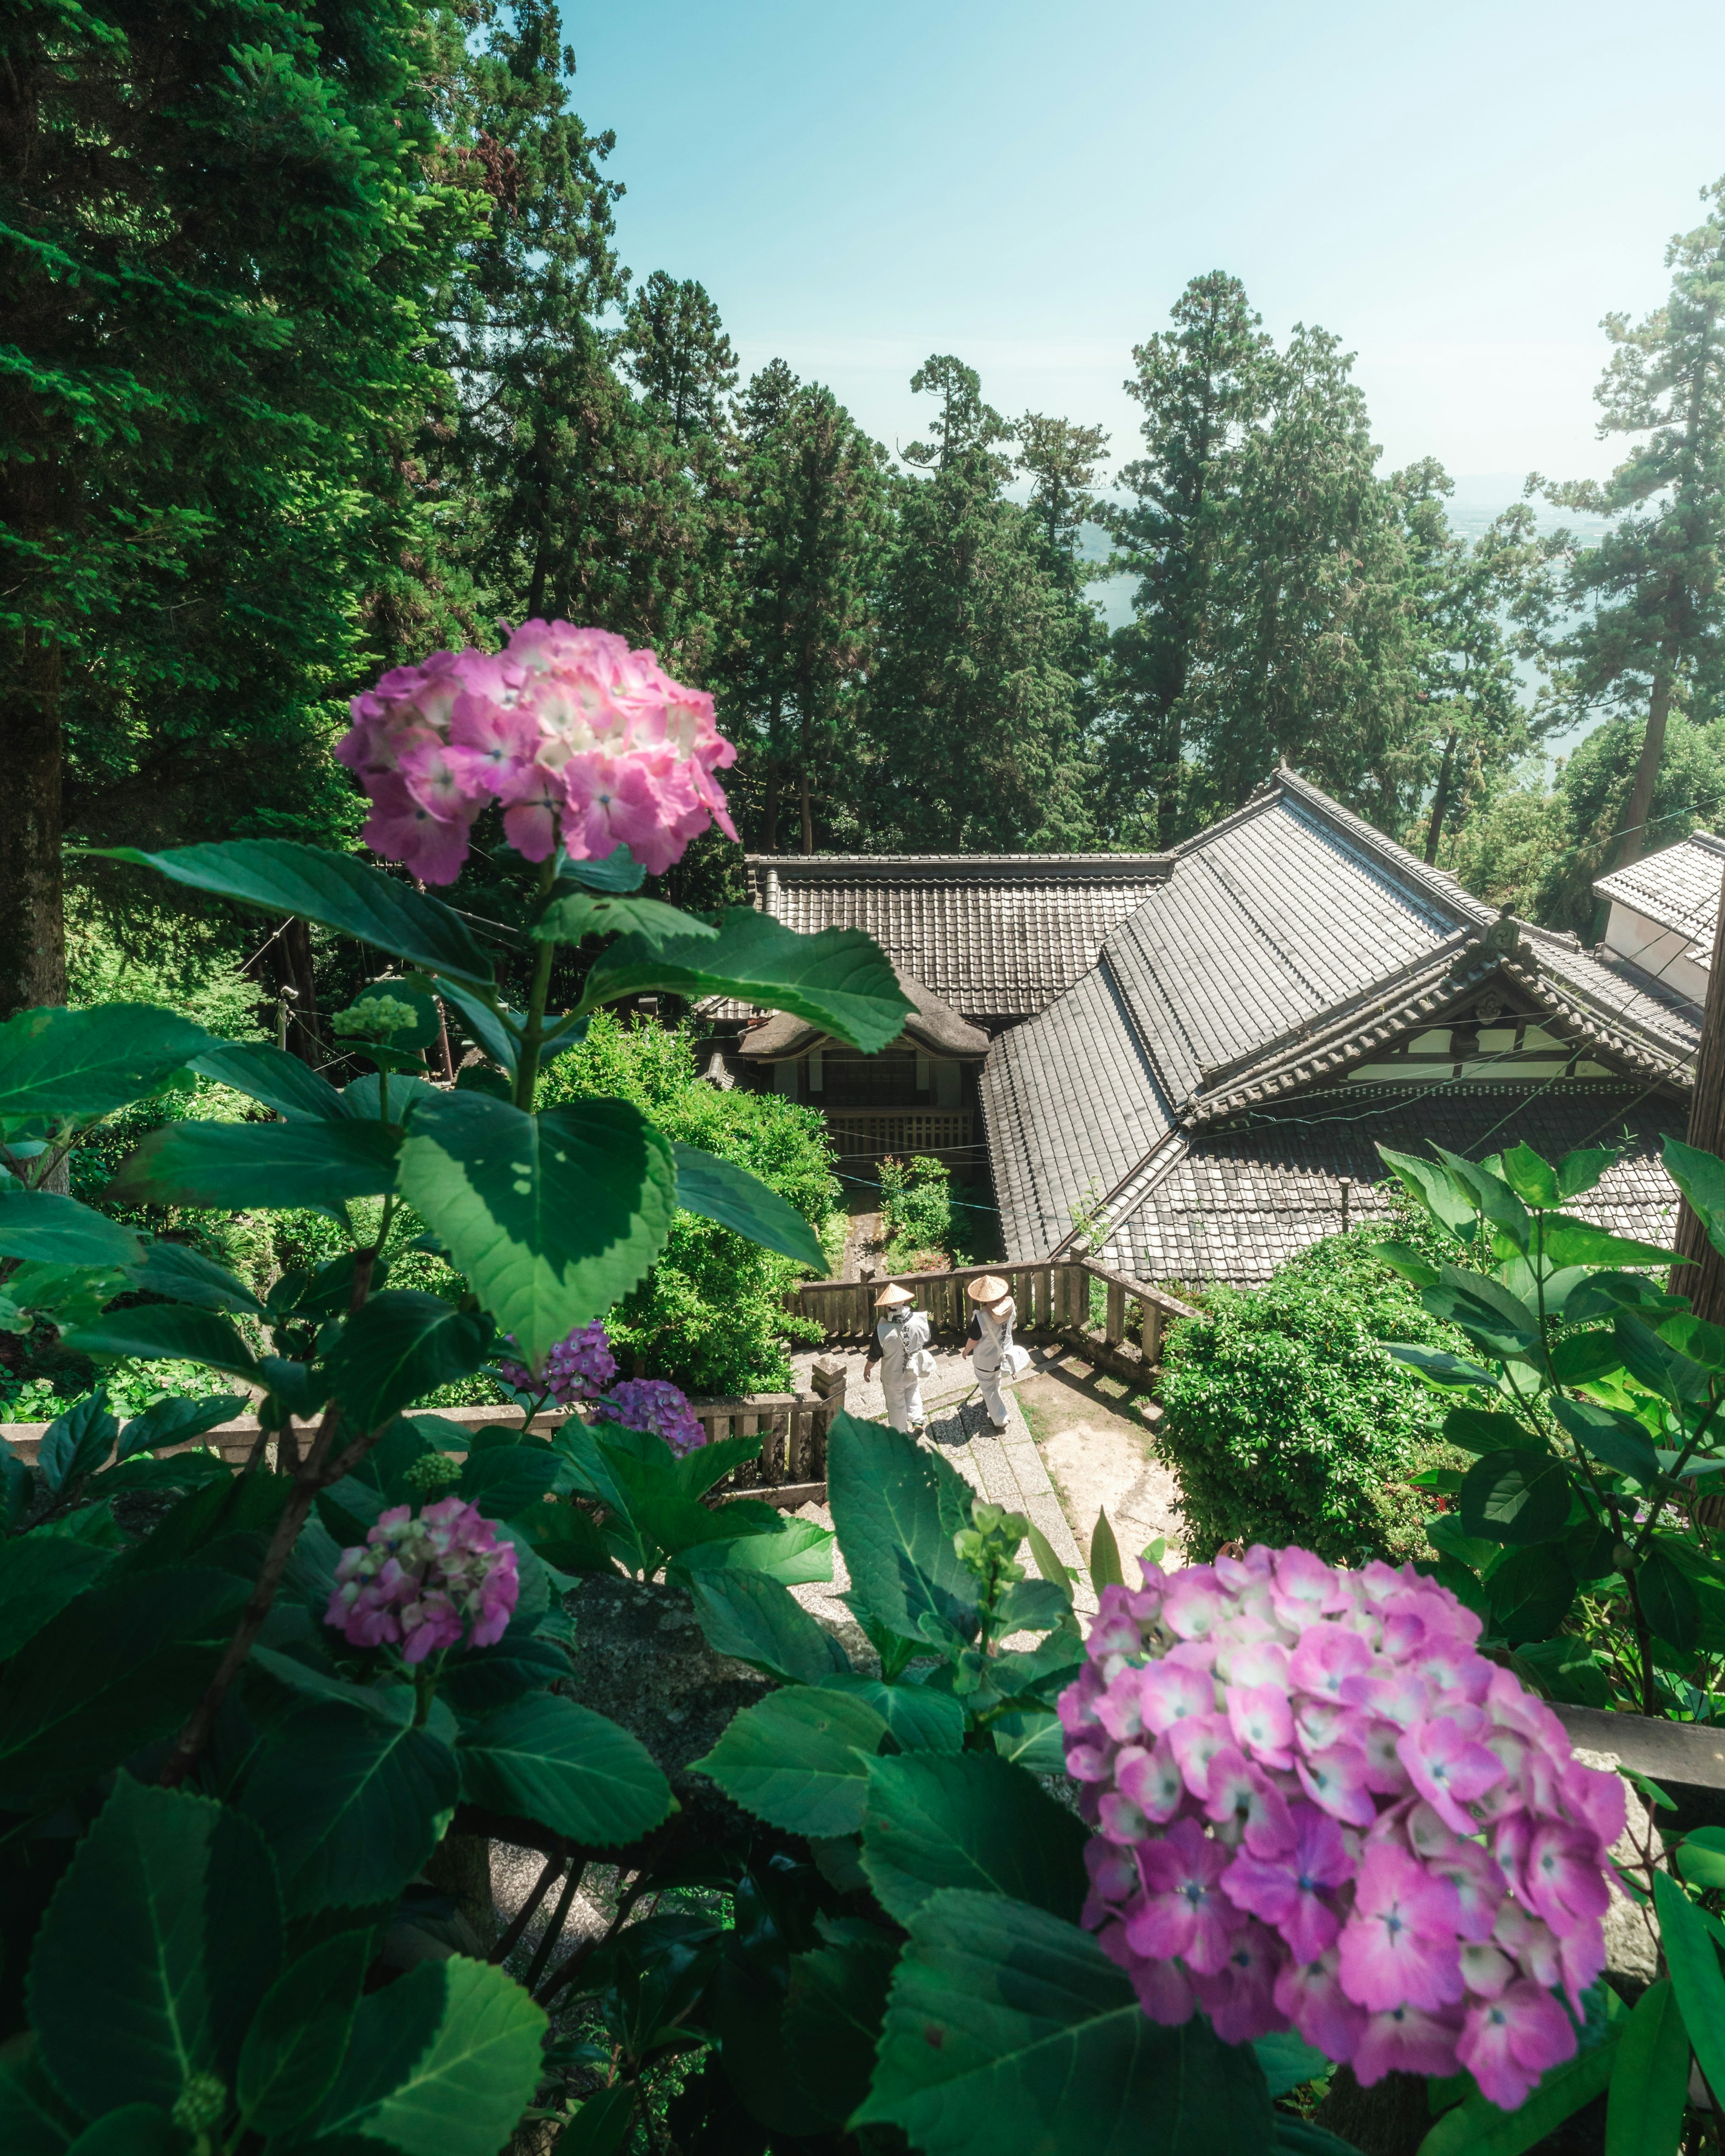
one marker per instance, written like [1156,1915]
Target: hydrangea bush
[1319,1807]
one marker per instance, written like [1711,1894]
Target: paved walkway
[1007,1470]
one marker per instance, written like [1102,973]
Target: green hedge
[1286,1423]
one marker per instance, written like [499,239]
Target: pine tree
[1649,593]
[224,223]
[675,350]
[1202,385]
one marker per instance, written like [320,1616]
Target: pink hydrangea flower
[655,1405]
[421,1584]
[577,736]
[1320,1806]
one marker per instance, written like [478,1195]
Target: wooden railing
[875,1134]
[792,1427]
[1051,1298]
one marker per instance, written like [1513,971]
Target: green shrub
[916,1213]
[1287,1423]
[711,1315]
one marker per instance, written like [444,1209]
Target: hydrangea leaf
[839,980]
[171,1330]
[885,1492]
[296,2045]
[720,1190]
[180,1892]
[180,1274]
[400,1344]
[263,1072]
[351,1803]
[799,1760]
[80,1063]
[274,1166]
[755,1620]
[1010,2033]
[40,1226]
[968,1819]
[544,1759]
[280,875]
[568,919]
[553,1217]
[503,1480]
[1515,1496]
[442,2062]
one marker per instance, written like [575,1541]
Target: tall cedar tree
[974,717]
[560,493]
[815,516]
[1476,607]
[1202,385]
[1308,646]
[220,227]
[675,350]
[1650,594]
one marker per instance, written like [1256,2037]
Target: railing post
[1150,1339]
[827,1378]
[1115,1331]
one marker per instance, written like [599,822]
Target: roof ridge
[1029,863]
[1436,884]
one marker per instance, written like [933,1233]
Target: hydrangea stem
[526,1078]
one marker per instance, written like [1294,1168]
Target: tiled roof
[995,936]
[1678,886]
[1234,1205]
[1291,943]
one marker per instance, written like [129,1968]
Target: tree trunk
[1704,1280]
[804,806]
[304,1034]
[769,811]
[1439,801]
[33,917]
[1647,770]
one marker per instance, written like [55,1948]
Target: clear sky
[1460,191]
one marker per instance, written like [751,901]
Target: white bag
[920,1365]
[1014,1364]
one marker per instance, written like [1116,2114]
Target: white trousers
[994,1399]
[904,1399]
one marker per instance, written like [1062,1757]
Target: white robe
[898,1346]
[993,1352]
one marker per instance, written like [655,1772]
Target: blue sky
[1460,191]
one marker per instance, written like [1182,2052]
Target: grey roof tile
[1678,886]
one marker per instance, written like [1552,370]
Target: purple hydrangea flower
[655,1405]
[421,1584]
[579,1368]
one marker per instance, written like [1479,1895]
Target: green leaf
[1515,1498]
[1533,1180]
[968,1819]
[544,1759]
[170,1330]
[118,1668]
[755,1620]
[1438,1366]
[1618,1439]
[278,875]
[568,919]
[1568,1242]
[1701,1178]
[1287,2060]
[507,1479]
[1403,1259]
[1660,1369]
[839,980]
[179,1892]
[618,870]
[1530,1592]
[1490,1194]
[1668,1600]
[442,2062]
[135,2129]
[1581,1170]
[399,1345]
[1650,2083]
[1477,1429]
[1585,1357]
[600,2126]
[833,2012]
[39,1574]
[1488,1313]
[796,1553]
[1693,1961]
[1700,1857]
[352,1802]
[1604,1294]
[272,1165]
[294,2047]
[73,1065]
[720,1190]
[1009,2033]
[1566,1668]
[553,1217]
[1432,1185]
[1105,1566]
[885,1493]
[76,1443]
[180,1274]
[1476,2127]
[269,1074]
[920,1720]
[176,1421]
[35,2120]
[799,1760]
[52,1230]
